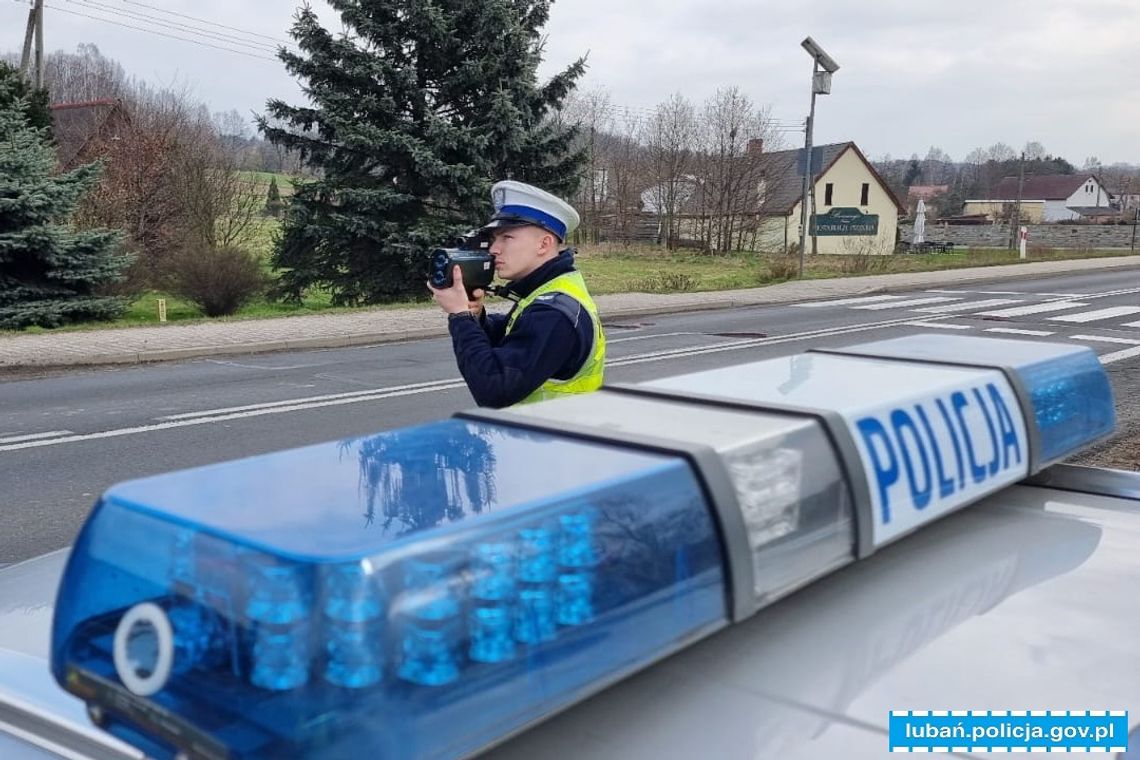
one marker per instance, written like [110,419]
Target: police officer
[551,342]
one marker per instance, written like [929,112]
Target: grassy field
[616,269]
[619,269]
[284,181]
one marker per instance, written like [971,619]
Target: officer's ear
[549,242]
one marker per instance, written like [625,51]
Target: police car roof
[1016,603]
[1019,602]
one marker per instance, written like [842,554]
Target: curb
[724,300]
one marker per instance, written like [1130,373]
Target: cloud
[956,75]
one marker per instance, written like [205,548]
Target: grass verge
[624,269]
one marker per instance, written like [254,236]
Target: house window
[827,193]
[864,194]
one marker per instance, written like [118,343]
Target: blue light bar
[1063,388]
[429,591]
[918,440]
[420,593]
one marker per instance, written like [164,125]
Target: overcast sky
[954,75]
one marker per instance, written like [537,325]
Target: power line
[161,34]
[193,31]
[206,21]
[178,27]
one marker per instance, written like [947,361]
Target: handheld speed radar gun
[431,591]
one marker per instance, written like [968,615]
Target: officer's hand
[475,304]
[453,300]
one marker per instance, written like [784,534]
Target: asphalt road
[65,437]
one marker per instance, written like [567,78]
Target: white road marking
[1131,324]
[1106,339]
[756,342]
[293,407]
[1116,356]
[940,325]
[846,301]
[967,306]
[1033,308]
[1093,316]
[33,436]
[242,365]
[1015,331]
[905,304]
[611,341]
[352,397]
[1107,293]
[1008,293]
[396,390]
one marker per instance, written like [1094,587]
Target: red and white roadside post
[1022,240]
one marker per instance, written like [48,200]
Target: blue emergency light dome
[429,591]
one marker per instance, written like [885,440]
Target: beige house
[1032,211]
[856,211]
[1045,198]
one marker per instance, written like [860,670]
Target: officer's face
[518,251]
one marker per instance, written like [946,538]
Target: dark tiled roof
[786,170]
[75,125]
[783,172]
[926,192]
[784,167]
[1047,187]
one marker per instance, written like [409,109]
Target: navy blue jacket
[551,338]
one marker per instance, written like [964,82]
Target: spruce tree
[273,202]
[49,273]
[13,87]
[415,111]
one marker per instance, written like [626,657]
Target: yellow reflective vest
[589,377]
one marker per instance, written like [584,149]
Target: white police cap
[518,203]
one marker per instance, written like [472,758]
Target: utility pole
[39,44]
[1135,221]
[1013,241]
[29,34]
[805,201]
[823,66]
[34,31]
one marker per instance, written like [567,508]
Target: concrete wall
[1048,235]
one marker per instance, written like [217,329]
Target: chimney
[755,146]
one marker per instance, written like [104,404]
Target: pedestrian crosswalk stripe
[1016,331]
[1106,339]
[904,304]
[1033,308]
[1115,356]
[969,306]
[940,325]
[1093,316]
[1131,324]
[847,301]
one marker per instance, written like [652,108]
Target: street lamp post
[823,66]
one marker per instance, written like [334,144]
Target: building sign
[845,221]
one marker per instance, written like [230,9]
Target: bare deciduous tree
[170,184]
[626,176]
[671,141]
[592,111]
[218,204]
[734,133]
[84,75]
